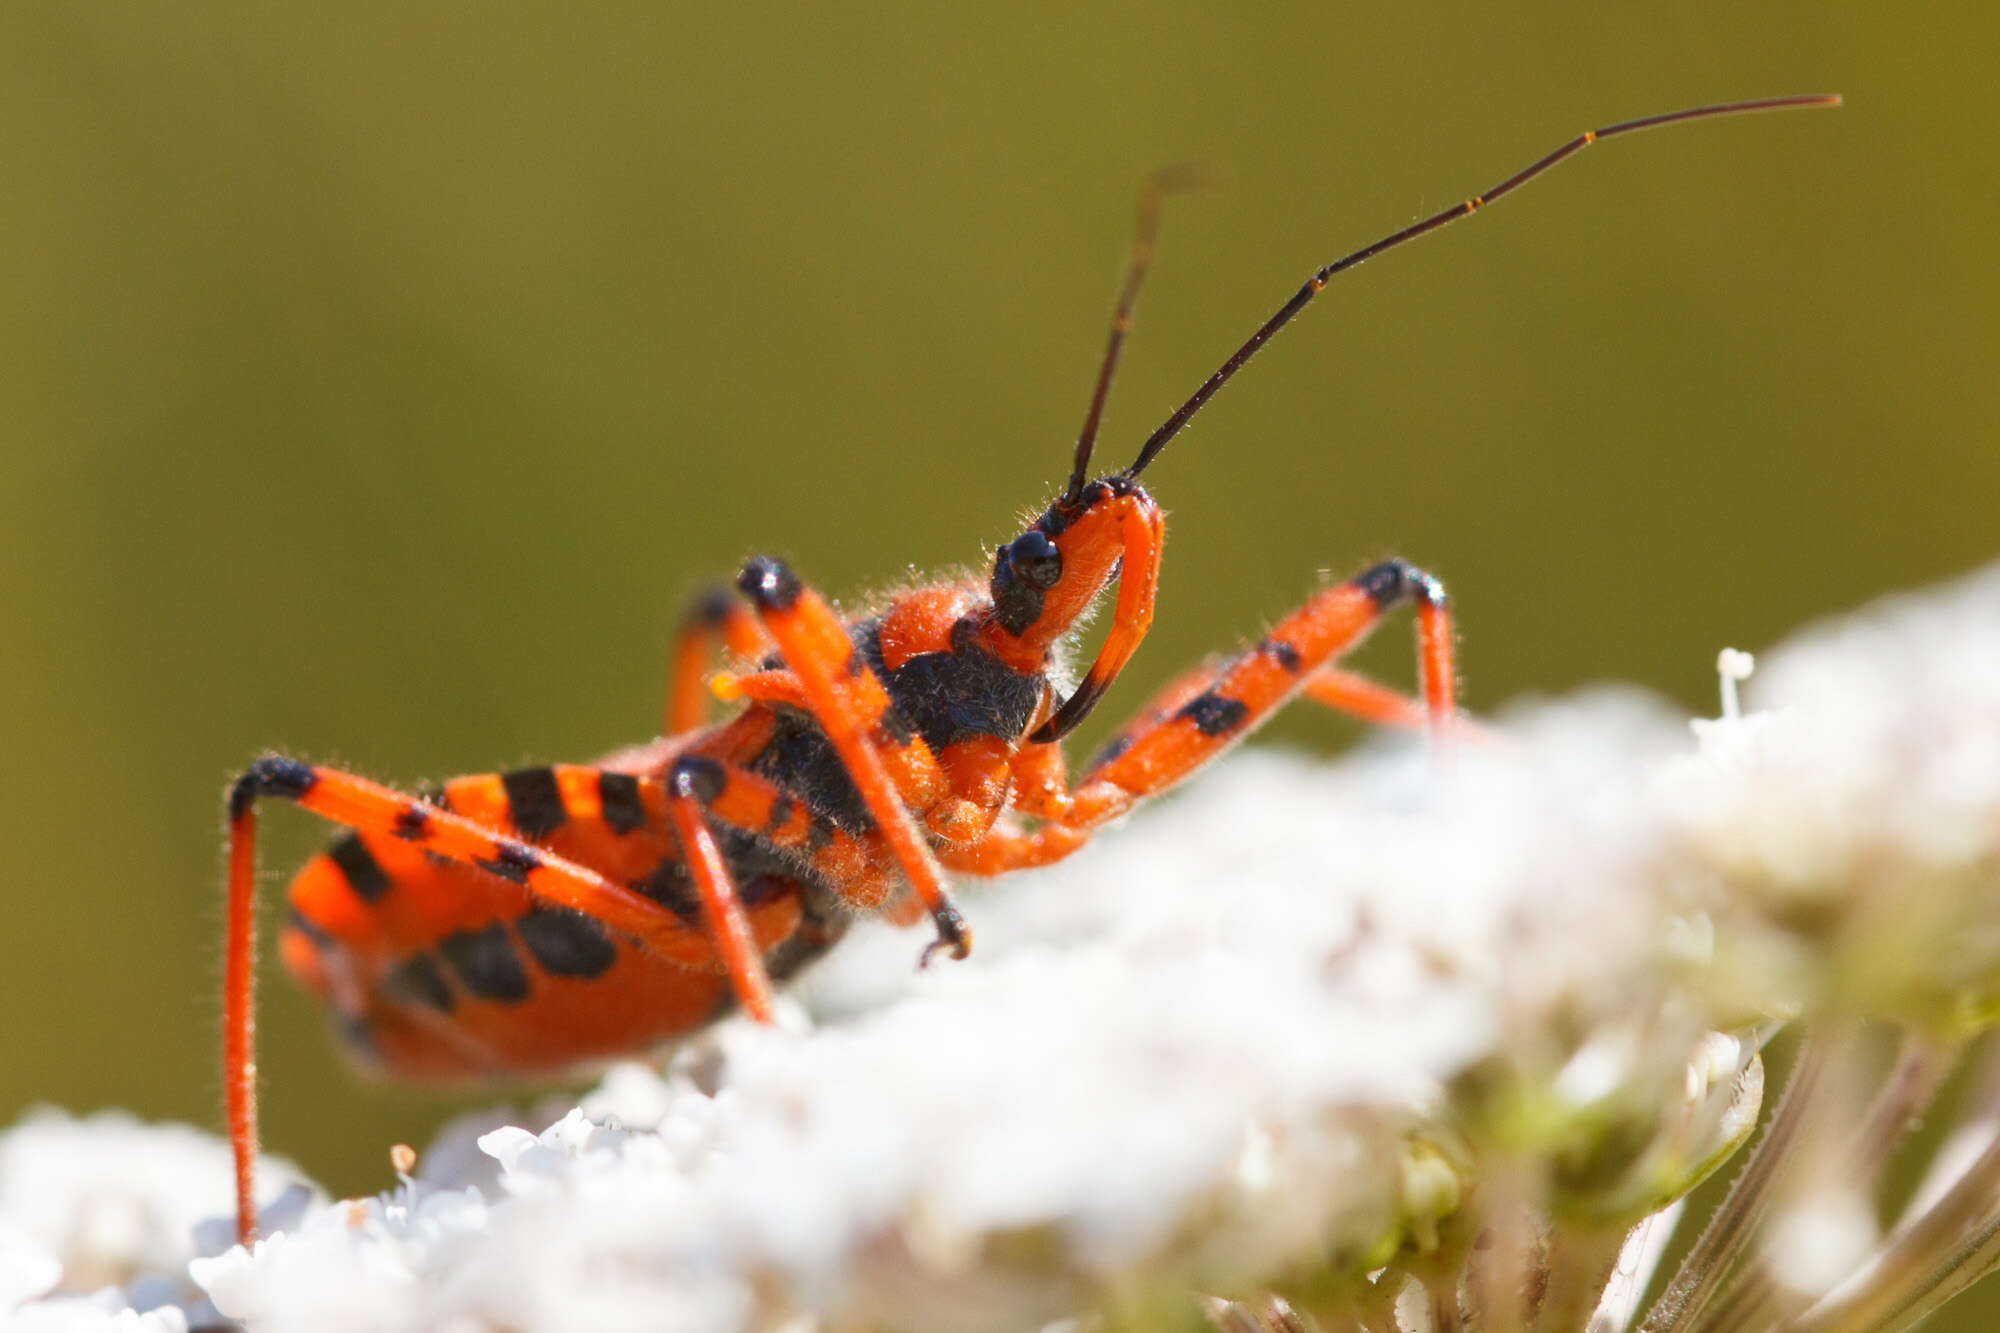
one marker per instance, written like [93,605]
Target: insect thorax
[959,694]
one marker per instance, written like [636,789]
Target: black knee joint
[510,861]
[711,607]
[769,583]
[270,775]
[1396,581]
[697,776]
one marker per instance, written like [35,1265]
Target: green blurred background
[377,383]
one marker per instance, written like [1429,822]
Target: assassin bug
[532,920]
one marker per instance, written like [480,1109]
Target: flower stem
[1618,1303]
[1921,1066]
[1932,1257]
[1579,1267]
[1736,1218]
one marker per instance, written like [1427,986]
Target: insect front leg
[1243,691]
[890,765]
[1331,687]
[1204,712]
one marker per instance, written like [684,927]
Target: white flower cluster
[1274,1028]
[111,1210]
[1849,835]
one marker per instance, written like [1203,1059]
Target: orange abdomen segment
[434,969]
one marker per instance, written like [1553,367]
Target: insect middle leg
[890,765]
[713,619]
[701,791]
[1204,713]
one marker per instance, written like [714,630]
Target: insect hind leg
[369,808]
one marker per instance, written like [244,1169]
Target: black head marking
[950,696]
[1023,570]
[1017,603]
[1035,560]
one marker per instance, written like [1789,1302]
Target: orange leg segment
[691,784]
[1358,696]
[851,706]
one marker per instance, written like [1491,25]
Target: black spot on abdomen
[416,980]
[618,797]
[358,866]
[486,963]
[566,943]
[534,801]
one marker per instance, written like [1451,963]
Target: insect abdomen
[434,969]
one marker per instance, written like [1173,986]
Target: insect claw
[953,934]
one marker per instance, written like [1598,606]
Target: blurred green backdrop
[377,382]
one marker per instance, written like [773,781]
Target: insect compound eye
[1034,560]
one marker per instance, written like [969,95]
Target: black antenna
[1173,424]
[1176,179]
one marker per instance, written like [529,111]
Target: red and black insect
[533,920]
